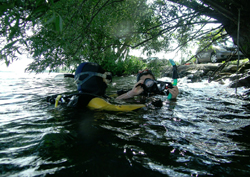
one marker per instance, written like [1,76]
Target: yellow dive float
[101,104]
[98,103]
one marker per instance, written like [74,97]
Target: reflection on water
[204,133]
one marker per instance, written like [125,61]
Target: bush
[133,65]
[130,65]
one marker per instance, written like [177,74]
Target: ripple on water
[203,133]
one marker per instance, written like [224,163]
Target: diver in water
[143,88]
[92,80]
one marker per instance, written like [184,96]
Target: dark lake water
[205,132]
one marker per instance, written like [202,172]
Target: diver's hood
[89,78]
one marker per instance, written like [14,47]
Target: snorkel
[175,76]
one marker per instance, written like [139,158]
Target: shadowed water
[205,132]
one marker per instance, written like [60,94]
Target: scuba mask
[144,72]
[150,85]
[107,77]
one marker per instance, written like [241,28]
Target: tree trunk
[226,13]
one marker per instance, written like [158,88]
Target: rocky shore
[213,72]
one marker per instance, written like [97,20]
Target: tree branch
[221,10]
[195,36]
[207,46]
[167,30]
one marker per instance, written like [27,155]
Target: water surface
[205,132]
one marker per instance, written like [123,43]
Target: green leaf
[41,10]
[51,19]
[18,51]
[39,2]
[4,7]
[10,44]
[12,33]
[59,23]
[6,20]
[7,62]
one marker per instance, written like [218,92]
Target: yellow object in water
[57,100]
[101,104]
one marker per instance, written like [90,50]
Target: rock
[194,77]
[184,70]
[230,68]
[242,82]
[233,77]
[197,72]
[209,73]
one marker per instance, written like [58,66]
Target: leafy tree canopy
[67,32]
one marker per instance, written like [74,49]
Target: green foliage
[205,42]
[101,32]
[236,61]
[65,33]
[193,60]
[157,66]
[133,64]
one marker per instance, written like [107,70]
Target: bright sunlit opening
[16,66]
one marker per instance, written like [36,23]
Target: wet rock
[197,69]
[242,82]
[230,69]
[194,78]
[197,72]
[233,77]
[246,96]
[209,73]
